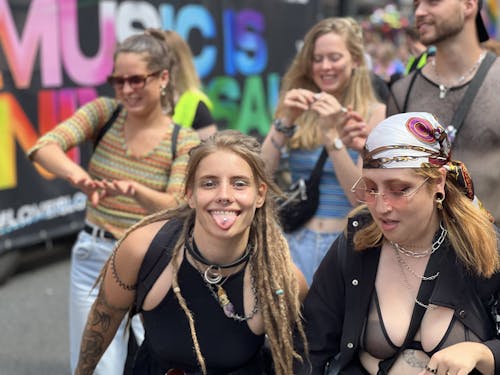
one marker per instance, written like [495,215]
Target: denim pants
[88,256]
[308,249]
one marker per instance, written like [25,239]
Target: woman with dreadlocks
[211,279]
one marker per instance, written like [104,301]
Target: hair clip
[279,292]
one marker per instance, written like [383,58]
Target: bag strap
[107,125]
[157,257]
[175,135]
[407,96]
[424,294]
[318,167]
[470,94]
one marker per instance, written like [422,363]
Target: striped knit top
[333,202]
[112,161]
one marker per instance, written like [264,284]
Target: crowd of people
[396,272]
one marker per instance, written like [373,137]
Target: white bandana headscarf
[407,140]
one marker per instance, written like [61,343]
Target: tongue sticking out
[224,220]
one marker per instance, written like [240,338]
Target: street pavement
[34,315]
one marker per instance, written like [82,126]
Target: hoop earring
[439,200]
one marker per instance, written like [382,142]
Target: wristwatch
[336,145]
[286,130]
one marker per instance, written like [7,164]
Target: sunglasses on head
[137,81]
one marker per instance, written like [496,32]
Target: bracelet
[275,143]
[286,130]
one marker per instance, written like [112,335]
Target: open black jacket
[338,301]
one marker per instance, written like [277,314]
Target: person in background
[227,280]
[387,63]
[456,29]
[408,288]
[327,87]
[419,53]
[192,106]
[134,171]
[492,45]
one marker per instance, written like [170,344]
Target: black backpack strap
[470,94]
[107,125]
[156,259]
[407,96]
[175,135]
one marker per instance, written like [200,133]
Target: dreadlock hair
[470,231]
[275,283]
[158,56]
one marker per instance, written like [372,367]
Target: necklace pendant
[442,91]
[224,301]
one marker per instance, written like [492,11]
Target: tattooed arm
[116,296]
[102,324]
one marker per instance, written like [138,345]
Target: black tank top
[226,344]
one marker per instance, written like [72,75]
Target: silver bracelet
[286,130]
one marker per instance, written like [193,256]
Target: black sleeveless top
[225,344]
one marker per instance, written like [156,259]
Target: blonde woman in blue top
[326,88]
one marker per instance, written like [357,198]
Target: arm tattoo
[115,274]
[101,327]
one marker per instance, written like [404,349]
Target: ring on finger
[431,370]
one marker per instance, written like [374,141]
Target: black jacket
[338,301]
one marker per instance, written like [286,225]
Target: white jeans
[87,259]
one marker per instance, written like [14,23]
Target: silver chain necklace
[398,250]
[443,90]
[422,254]
[402,264]
[407,283]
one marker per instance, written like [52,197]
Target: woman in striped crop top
[136,169]
[327,87]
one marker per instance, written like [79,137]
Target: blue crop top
[333,202]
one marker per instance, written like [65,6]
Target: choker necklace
[196,254]
[220,295]
[443,90]
[421,254]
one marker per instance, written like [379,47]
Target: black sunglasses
[135,82]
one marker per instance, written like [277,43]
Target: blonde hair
[470,232]
[275,282]
[358,94]
[184,72]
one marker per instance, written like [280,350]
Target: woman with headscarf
[407,289]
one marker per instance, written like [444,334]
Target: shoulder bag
[302,198]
